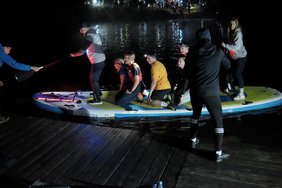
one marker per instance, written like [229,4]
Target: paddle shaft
[53,63]
[24,75]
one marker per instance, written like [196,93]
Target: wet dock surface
[66,153]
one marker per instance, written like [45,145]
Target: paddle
[24,75]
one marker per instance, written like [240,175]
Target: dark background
[45,32]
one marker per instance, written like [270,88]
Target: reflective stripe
[194,121]
[219,130]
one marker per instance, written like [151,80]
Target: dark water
[55,36]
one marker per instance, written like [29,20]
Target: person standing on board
[202,69]
[238,55]
[92,46]
[5,58]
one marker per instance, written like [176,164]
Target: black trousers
[213,105]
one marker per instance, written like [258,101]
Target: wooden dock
[71,154]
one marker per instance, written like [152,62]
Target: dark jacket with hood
[203,66]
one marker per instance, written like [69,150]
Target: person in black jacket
[202,70]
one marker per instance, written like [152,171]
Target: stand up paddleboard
[76,104]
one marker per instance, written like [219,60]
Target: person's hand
[128,92]
[1,84]
[36,69]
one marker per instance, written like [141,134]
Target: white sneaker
[239,97]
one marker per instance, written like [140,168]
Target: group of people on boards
[198,70]
[198,74]
[132,85]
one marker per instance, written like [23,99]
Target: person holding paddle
[5,58]
[92,47]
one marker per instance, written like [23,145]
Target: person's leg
[239,71]
[197,105]
[95,73]
[3,118]
[229,81]
[161,98]
[214,107]
[213,104]
[127,98]
[239,76]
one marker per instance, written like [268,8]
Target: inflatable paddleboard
[75,103]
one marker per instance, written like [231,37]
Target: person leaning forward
[5,58]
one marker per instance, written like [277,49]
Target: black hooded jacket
[203,66]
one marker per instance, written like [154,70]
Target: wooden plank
[248,166]
[63,168]
[15,129]
[83,163]
[146,160]
[103,157]
[28,140]
[132,159]
[159,165]
[174,167]
[32,161]
[49,149]
[116,159]
[62,150]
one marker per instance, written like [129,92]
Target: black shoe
[220,158]
[228,91]
[195,144]
[168,98]
[170,106]
[94,102]
[4,119]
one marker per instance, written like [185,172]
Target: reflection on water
[141,36]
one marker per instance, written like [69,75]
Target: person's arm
[152,88]
[135,84]
[237,43]
[82,50]
[13,63]
[122,81]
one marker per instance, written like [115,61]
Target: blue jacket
[5,58]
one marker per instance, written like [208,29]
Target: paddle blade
[23,75]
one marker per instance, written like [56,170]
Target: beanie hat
[203,33]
